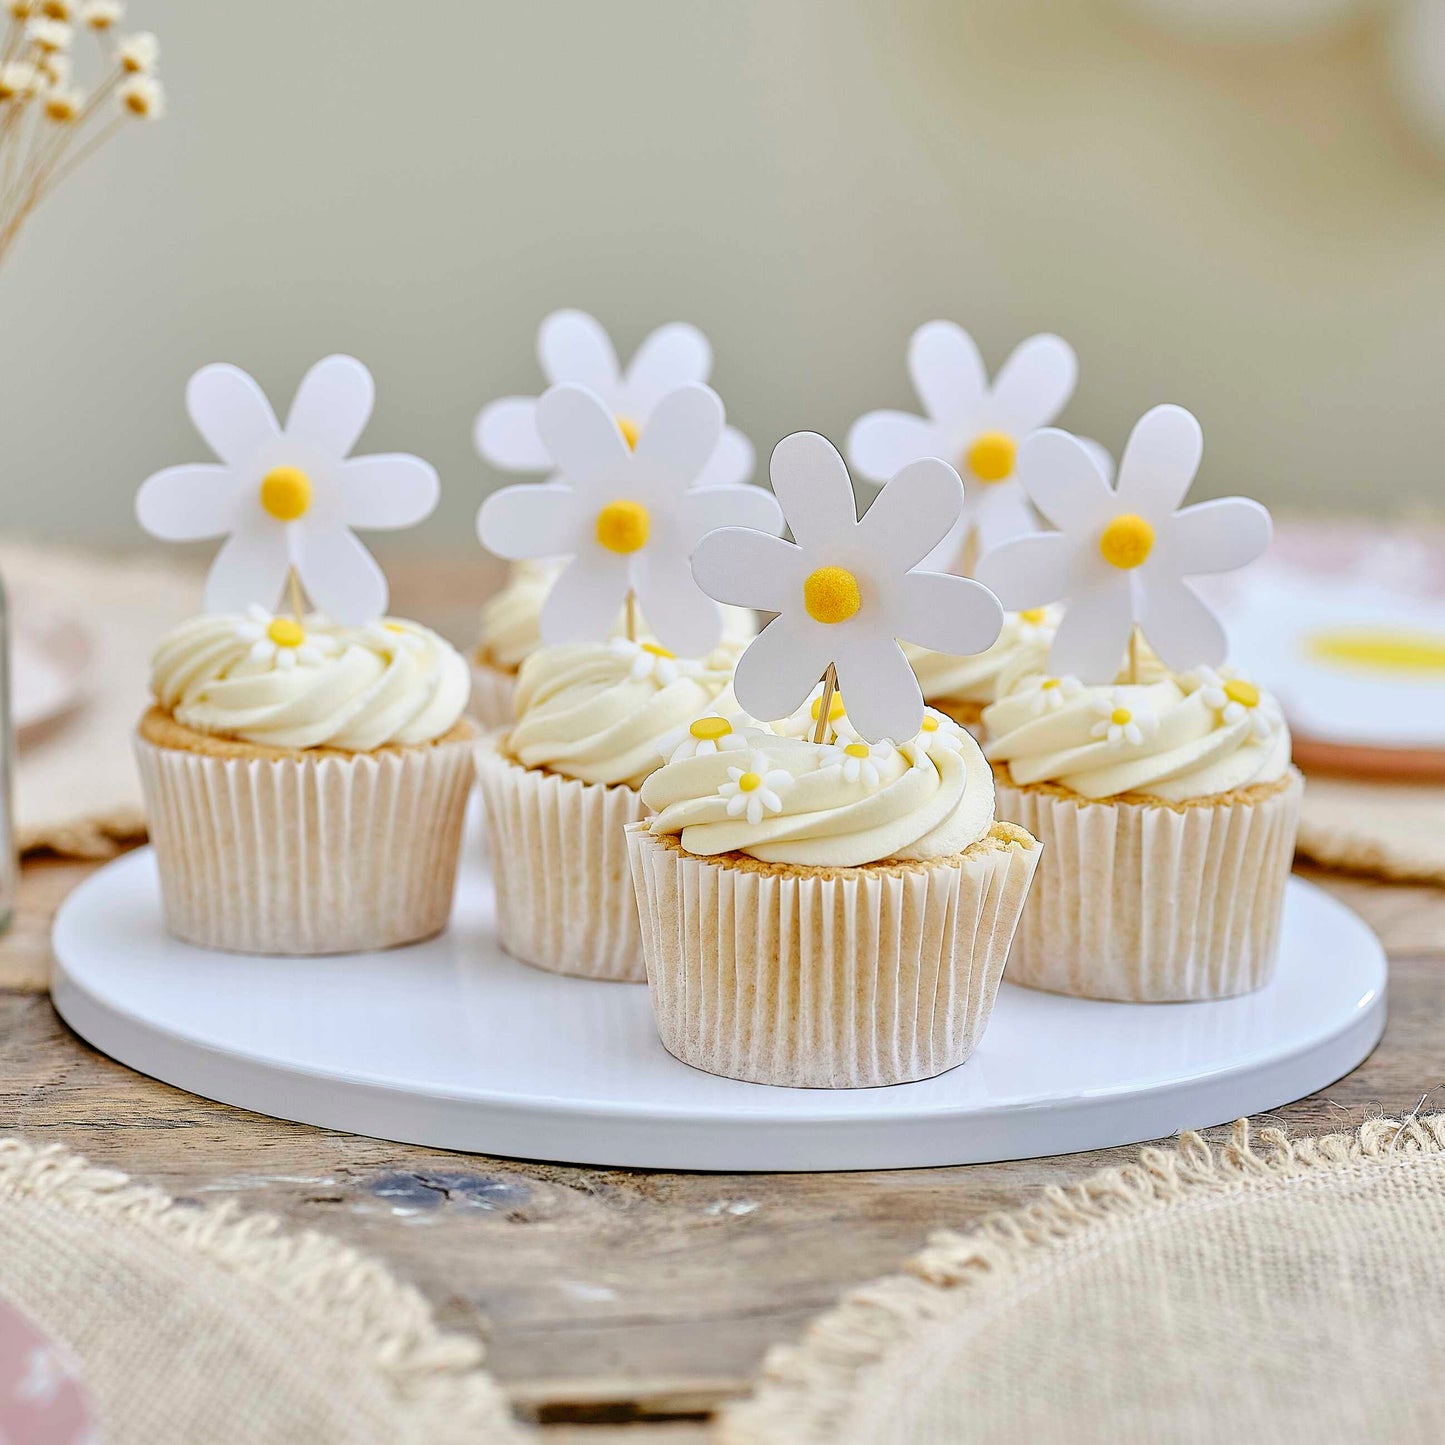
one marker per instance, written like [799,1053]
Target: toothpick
[825,704]
[969,554]
[293,589]
[1134,653]
[631,615]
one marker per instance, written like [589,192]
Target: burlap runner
[1389,830]
[1275,1291]
[199,1326]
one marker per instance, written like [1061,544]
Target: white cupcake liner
[1149,903]
[559,856]
[836,980]
[306,855]
[491,700]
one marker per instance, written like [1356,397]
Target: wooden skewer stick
[1134,653]
[825,704]
[293,590]
[631,615]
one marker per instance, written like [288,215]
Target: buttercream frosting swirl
[1021,647]
[596,711]
[790,800]
[283,684]
[1172,737]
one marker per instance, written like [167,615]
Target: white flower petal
[581,436]
[681,434]
[1002,513]
[1159,462]
[332,405]
[1103,457]
[670,357]
[912,514]
[1031,571]
[780,667]
[731,463]
[389,490]
[251,567]
[186,503]
[340,576]
[585,598]
[573,347]
[884,442]
[506,435]
[1215,536]
[1032,387]
[1093,635]
[747,568]
[1179,626]
[683,617]
[231,412]
[1064,481]
[948,373]
[706,509]
[531,519]
[811,481]
[948,614]
[885,700]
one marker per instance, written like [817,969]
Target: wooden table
[612,1303]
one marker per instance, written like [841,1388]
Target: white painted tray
[452,1043]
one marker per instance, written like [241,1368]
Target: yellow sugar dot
[286,493]
[857,750]
[1127,541]
[1049,682]
[656,649]
[1246,694]
[623,526]
[835,708]
[749,783]
[1121,716]
[286,633]
[710,729]
[1033,616]
[830,594]
[990,456]
[930,724]
[393,627]
[630,431]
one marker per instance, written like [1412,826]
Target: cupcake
[1168,812]
[962,687]
[560,786]
[305,783]
[827,915]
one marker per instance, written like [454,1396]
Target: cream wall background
[1248,229]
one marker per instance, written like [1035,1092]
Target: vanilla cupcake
[1167,811]
[963,686]
[829,916]
[305,783]
[561,785]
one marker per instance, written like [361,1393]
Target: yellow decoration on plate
[286,493]
[1380,649]
[831,594]
[1127,541]
[991,456]
[623,526]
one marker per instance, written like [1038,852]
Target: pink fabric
[42,1401]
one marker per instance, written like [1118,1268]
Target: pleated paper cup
[559,857]
[827,978]
[333,853]
[491,700]
[1152,903]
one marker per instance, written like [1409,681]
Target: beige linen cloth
[204,1326]
[1257,1290]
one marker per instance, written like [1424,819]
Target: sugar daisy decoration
[287,498]
[846,590]
[627,517]
[1122,556]
[975,424]
[575,349]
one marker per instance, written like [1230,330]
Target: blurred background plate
[49,654]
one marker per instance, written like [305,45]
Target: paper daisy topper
[1121,556]
[628,513]
[287,498]
[846,590]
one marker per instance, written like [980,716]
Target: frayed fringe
[101,835]
[808,1390]
[437,1377]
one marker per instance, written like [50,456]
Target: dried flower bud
[21,9]
[18,81]
[58,10]
[102,14]
[56,69]
[138,53]
[143,98]
[50,36]
[62,106]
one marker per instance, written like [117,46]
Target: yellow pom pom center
[831,594]
[630,431]
[749,783]
[286,493]
[710,729]
[1246,694]
[1033,616]
[990,457]
[1127,541]
[286,633]
[930,724]
[1121,717]
[623,526]
[857,750]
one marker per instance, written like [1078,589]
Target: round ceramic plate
[49,653]
[452,1043]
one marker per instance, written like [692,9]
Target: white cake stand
[452,1043]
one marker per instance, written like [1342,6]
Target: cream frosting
[268,681]
[1022,647]
[790,800]
[511,619]
[1173,737]
[597,711]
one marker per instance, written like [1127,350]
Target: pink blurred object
[42,1401]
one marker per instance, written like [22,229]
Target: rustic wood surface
[615,1305]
